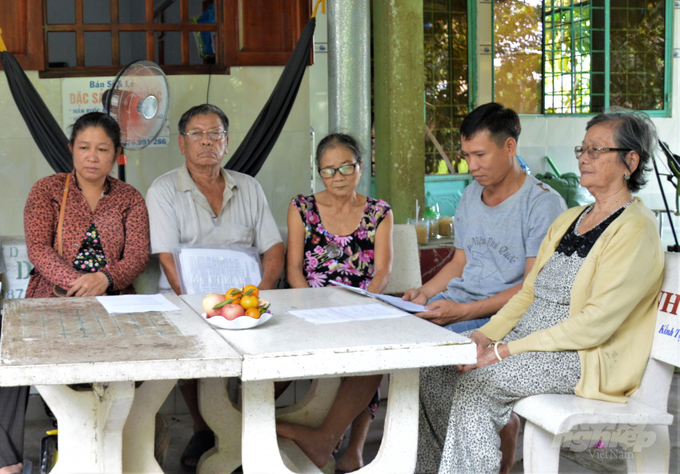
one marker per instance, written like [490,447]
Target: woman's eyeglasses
[594,151]
[347,170]
[214,134]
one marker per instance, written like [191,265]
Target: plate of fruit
[236,309]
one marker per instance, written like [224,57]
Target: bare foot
[350,461]
[17,468]
[317,445]
[509,443]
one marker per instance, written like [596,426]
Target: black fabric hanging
[45,130]
[255,148]
[248,158]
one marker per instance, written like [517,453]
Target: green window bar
[574,56]
[599,53]
[447,64]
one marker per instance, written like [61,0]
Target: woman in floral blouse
[339,234]
[105,236]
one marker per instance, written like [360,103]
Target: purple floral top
[348,259]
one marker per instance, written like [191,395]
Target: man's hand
[272,266]
[444,312]
[416,296]
[90,284]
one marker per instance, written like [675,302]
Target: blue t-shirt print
[483,256]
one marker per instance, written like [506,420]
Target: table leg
[139,431]
[225,420]
[90,425]
[260,449]
[398,449]
[313,408]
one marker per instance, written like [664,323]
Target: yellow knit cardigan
[613,304]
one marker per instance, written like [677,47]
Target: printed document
[136,303]
[216,270]
[344,314]
[391,300]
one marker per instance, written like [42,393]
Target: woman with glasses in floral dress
[341,235]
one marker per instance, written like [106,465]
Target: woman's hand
[486,357]
[90,284]
[481,340]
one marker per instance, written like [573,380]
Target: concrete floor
[180,433]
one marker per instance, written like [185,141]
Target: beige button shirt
[180,214]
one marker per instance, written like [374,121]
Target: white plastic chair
[640,426]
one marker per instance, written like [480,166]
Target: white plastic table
[287,347]
[53,343]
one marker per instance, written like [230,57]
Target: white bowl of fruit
[236,309]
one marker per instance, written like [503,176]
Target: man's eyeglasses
[346,170]
[214,134]
[594,151]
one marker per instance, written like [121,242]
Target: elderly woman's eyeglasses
[346,170]
[594,151]
[214,134]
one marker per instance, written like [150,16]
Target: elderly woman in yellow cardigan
[583,322]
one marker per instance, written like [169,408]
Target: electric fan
[138,101]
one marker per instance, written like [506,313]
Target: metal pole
[349,76]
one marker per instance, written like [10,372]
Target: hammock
[248,158]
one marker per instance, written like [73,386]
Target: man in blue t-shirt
[500,223]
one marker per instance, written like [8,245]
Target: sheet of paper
[351,288]
[136,303]
[343,314]
[391,300]
[401,304]
[217,270]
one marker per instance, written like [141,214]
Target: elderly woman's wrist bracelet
[495,349]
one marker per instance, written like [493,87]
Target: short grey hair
[202,109]
[335,140]
[634,131]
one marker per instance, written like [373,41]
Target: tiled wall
[242,94]
[556,137]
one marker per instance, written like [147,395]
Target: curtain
[45,130]
[255,148]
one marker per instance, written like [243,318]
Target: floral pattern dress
[345,258]
[90,256]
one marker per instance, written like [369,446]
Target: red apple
[232,311]
[209,302]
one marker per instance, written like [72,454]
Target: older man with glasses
[201,203]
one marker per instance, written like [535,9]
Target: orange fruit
[253,313]
[233,296]
[233,292]
[251,290]
[249,302]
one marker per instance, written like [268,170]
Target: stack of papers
[343,314]
[136,303]
[391,300]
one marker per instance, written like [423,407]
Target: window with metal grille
[447,92]
[595,54]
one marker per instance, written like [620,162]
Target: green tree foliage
[518,37]
[446,77]
[637,59]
